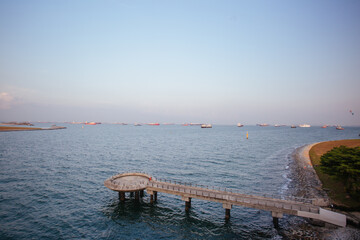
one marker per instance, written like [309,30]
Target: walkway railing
[231,190]
[234,196]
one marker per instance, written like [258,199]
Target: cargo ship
[153,124]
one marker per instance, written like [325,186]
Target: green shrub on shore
[343,163]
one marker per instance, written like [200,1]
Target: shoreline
[310,185]
[307,158]
[306,183]
[16,129]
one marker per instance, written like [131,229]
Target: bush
[344,164]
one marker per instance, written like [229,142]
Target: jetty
[139,182]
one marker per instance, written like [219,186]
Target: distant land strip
[10,129]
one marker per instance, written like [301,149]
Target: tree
[344,164]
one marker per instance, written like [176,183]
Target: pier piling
[276,222]
[187,203]
[227,210]
[276,217]
[122,196]
[227,214]
[187,206]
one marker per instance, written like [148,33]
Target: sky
[219,62]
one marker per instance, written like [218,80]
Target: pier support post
[187,206]
[141,193]
[187,202]
[227,207]
[227,214]
[122,196]
[276,217]
[151,195]
[276,222]
[155,196]
[131,194]
[137,195]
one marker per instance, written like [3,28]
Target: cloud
[6,100]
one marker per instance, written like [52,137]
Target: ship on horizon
[304,125]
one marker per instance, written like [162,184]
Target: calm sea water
[51,182]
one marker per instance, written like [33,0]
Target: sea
[52,182]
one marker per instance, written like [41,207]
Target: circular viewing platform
[128,182]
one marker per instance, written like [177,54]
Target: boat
[325,126]
[263,124]
[206,126]
[339,128]
[153,124]
[90,123]
[304,125]
[293,126]
[240,125]
[137,124]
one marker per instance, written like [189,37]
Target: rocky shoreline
[309,185]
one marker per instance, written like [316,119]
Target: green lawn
[334,188]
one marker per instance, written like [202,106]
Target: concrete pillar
[227,214]
[187,202]
[276,222]
[155,196]
[276,217]
[227,207]
[137,195]
[122,196]
[141,193]
[187,206]
[131,194]
[151,193]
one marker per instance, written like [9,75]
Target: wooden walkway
[278,207]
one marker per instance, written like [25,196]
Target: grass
[335,188]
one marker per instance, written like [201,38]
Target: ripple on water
[51,182]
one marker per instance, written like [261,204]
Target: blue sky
[219,62]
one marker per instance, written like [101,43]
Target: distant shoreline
[14,129]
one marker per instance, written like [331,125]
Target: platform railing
[230,196]
[236,191]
